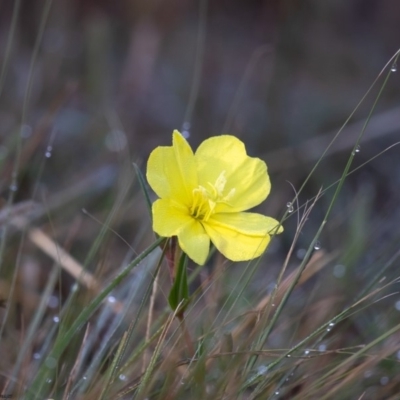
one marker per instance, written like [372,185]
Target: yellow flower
[203,196]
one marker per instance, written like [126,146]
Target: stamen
[230,194]
[220,183]
[205,200]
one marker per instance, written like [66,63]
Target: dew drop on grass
[277,392]
[122,377]
[74,287]
[322,347]
[290,207]
[111,299]
[84,378]
[186,130]
[49,149]
[262,369]
[56,319]
[368,374]
[13,188]
[36,356]
[317,245]
[48,380]
[356,150]
[307,352]
[394,67]
[397,305]
[52,302]
[339,271]
[301,253]
[332,324]
[384,380]
[288,356]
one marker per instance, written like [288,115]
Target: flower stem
[186,335]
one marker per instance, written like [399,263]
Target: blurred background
[87,87]
[99,84]
[91,86]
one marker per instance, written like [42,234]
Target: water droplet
[322,347]
[290,207]
[368,374]
[122,377]
[185,130]
[277,392]
[306,352]
[394,67]
[74,287]
[397,305]
[301,253]
[398,354]
[288,356]
[262,369]
[273,305]
[328,329]
[331,324]
[384,380]
[356,150]
[84,377]
[36,356]
[317,245]
[339,271]
[48,380]
[53,302]
[56,319]
[49,149]
[13,188]
[271,287]
[111,299]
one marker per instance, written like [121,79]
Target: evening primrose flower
[203,196]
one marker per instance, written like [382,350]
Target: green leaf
[180,290]
[143,187]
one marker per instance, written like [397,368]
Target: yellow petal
[194,241]
[246,176]
[171,171]
[241,236]
[171,219]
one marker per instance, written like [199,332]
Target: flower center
[206,199]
